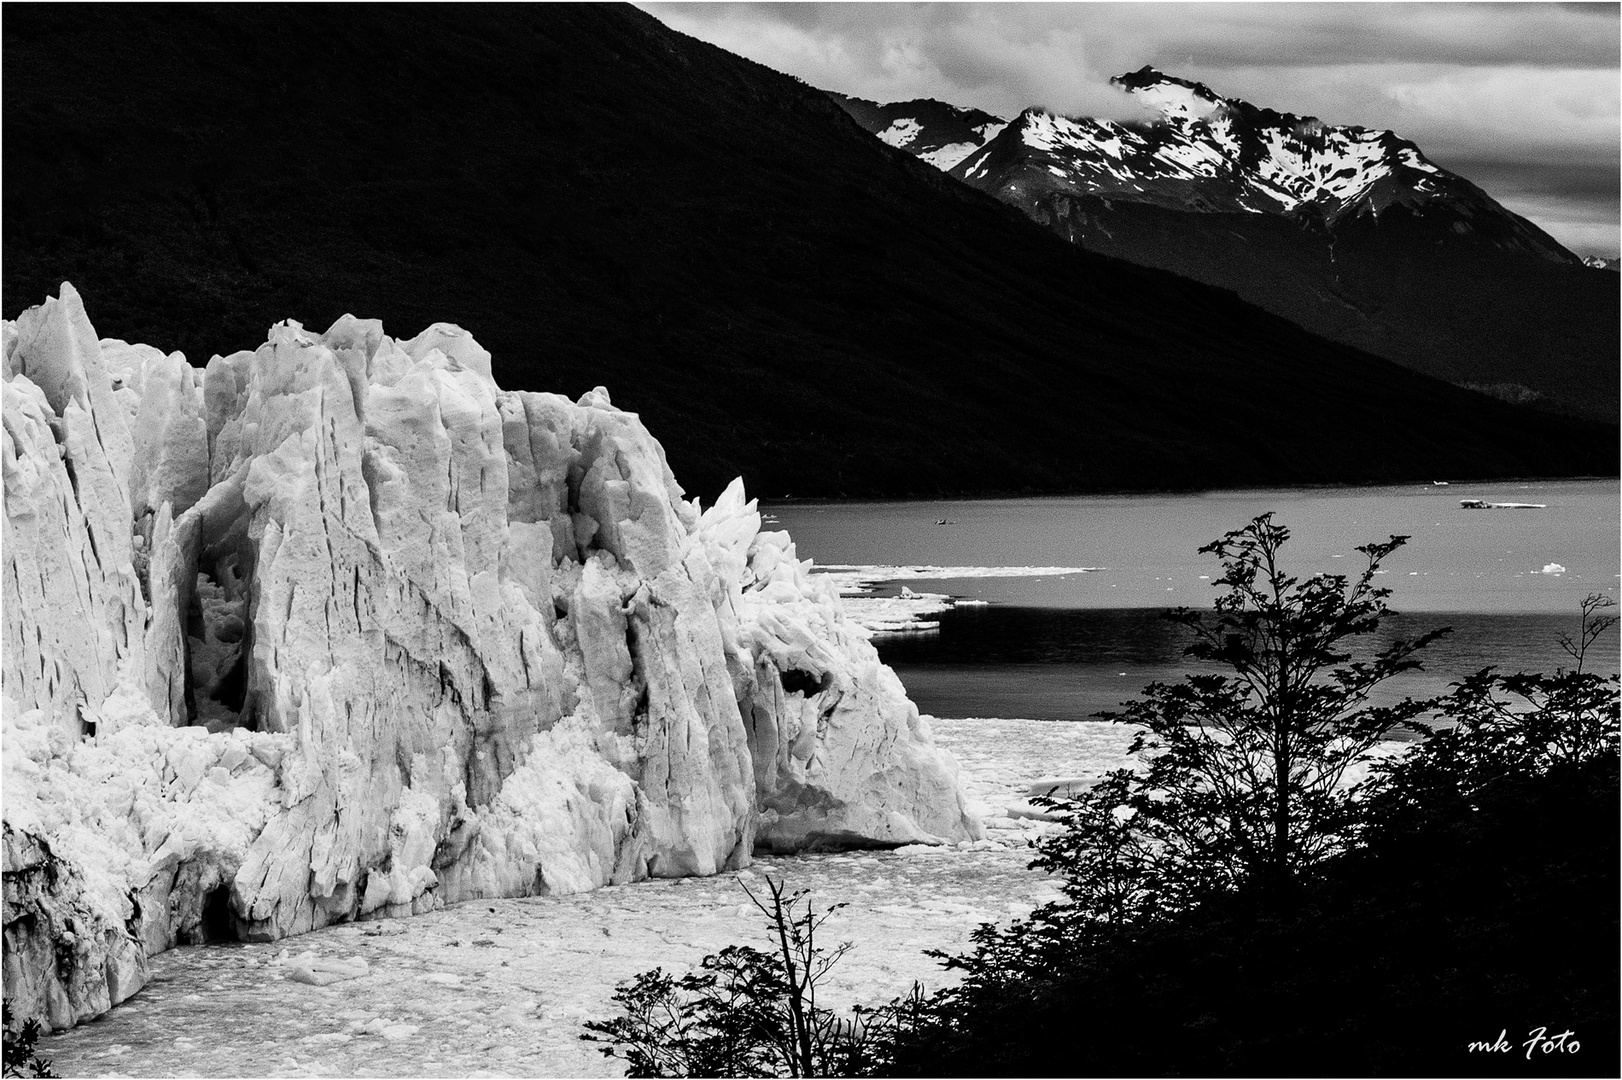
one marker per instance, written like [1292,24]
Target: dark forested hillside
[601,200]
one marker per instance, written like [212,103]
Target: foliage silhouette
[21,1059]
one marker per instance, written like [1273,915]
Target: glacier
[336,629]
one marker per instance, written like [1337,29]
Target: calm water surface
[1067,647]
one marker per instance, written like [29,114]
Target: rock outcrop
[338,629]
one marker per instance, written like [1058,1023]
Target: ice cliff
[338,629]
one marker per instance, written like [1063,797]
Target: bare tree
[749,1012]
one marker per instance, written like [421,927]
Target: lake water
[1065,647]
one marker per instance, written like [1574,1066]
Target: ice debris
[316,970]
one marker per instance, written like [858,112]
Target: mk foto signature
[1539,1040]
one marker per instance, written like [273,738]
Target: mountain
[1351,232]
[1210,154]
[602,201]
[940,134]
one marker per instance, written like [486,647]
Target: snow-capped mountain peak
[1293,160]
[1202,152]
[1169,95]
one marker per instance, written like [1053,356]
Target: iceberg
[337,629]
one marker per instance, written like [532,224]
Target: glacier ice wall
[338,629]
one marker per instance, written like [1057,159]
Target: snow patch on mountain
[1179,100]
[902,133]
[947,157]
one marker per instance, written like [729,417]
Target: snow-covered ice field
[502,987]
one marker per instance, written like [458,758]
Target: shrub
[1503,730]
[1242,778]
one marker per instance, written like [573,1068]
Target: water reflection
[1054,664]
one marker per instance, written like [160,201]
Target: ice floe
[910,612]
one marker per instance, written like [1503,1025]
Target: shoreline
[769,501]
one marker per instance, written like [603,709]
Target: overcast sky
[1523,99]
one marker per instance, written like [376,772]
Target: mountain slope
[1350,232]
[603,201]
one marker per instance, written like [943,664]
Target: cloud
[968,54]
[1575,233]
[1516,112]
[1496,85]
[1241,35]
[1573,202]
[1066,52]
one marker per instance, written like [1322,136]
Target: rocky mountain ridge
[336,629]
[1209,154]
[934,131]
